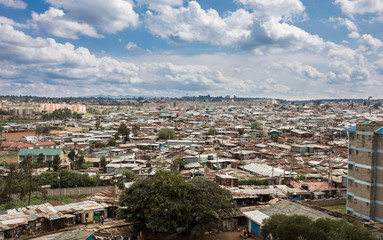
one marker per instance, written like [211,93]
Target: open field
[337,208]
[17,135]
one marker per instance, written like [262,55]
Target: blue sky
[291,49]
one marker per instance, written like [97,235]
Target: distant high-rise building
[365,170]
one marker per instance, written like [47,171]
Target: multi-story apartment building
[365,171]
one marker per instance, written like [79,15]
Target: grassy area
[88,115]
[40,200]
[8,155]
[337,208]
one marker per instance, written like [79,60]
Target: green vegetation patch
[337,208]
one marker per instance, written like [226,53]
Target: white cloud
[354,35]
[109,16]
[14,3]
[338,21]
[133,48]
[304,70]
[192,23]
[55,22]
[286,9]
[153,4]
[353,7]
[348,66]
[368,44]
[60,67]
[9,21]
[242,29]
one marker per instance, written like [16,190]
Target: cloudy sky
[291,49]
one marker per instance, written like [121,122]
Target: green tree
[40,160]
[10,185]
[72,155]
[212,131]
[128,175]
[241,131]
[76,115]
[29,182]
[166,202]
[283,227]
[300,177]
[80,160]
[69,179]
[98,124]
[166,133]
[123,130]
[112,142]
[56,163]
[46,130]
[255,125]
[157,204]
[210,204]
[180,162]
[261,134]
[135,129]
[103,162]
[274,137]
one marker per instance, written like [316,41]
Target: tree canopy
[212,131]
[166,133]
[167,202]
[283,227]
[255,125]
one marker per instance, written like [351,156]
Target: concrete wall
[327,202]
[78,190]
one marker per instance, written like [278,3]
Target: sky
[288,49]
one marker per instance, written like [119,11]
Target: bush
[69,179]
[253,181]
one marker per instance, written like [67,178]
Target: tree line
[22,180]
[283,227]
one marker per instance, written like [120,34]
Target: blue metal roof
[351,129]
[380,130]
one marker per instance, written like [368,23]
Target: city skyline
[288,49]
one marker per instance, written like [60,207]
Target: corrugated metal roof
[351,129]
[39,151]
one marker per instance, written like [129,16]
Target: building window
[356,184]
[369,137]
[350,151]
[357,152]
[349,197]
[367,203]
[368,187]
[349,182]
[350,166]
[368,170]
[369,154]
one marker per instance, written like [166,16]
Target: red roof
[48,143]
[6,144]
[25,145]
[313,186]
[15,144]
